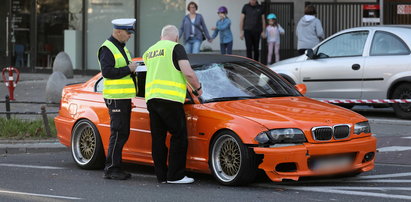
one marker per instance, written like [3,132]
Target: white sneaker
[185,180]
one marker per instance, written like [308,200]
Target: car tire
[231,162]
[402,110]
[86,147]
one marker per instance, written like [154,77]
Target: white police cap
[124,23]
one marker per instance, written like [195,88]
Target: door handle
[355,66]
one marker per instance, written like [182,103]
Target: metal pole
[7,36]
[381,12]
[8,107]
[45,120]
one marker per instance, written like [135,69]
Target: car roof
[201,59]
[381,27]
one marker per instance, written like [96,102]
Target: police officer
[119,88]
[168,70]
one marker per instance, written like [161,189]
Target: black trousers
[120,114]
[252,43]
[168,116]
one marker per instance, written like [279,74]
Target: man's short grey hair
[169,30]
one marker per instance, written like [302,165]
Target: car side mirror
[302,88]
[310,53]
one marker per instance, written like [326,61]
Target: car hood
[288,112]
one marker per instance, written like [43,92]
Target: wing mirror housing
[302,88]
[310,53]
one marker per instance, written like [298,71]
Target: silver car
[358,63]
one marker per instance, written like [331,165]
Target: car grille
[341,131]
[324,133]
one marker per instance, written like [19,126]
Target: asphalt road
[55,177]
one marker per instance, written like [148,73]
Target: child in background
[223,26]
[272,34]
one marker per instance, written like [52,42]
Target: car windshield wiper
[218,99]
[276,95]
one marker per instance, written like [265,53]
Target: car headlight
[362,127]
[283,135]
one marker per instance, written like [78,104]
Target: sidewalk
[30,146]
[31,87]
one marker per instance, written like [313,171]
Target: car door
[336,70]
[389,59]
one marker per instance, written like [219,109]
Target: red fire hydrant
[9,80]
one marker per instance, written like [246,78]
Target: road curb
[30,146]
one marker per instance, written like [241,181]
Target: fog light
[368,157]
[286,167]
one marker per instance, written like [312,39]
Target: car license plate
[328,164]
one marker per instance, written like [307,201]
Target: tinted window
[240,80]
[385,43]
[347,44]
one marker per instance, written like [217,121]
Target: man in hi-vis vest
[119,88]
[168,70]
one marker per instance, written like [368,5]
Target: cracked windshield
[232,81]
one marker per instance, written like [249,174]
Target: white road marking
[358,193]
[407,137]
[384,176]
[393,165]
[393,148]
[384,181]
[41,195]
[340,190]
[357,190]
[370,188]
[30,166]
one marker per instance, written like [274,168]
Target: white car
[358,63]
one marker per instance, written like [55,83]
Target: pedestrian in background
[309,30]
[119,88]
[168,71]
[252,27]
[223,26]
[193,29]
[272,34]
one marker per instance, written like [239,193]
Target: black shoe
[117,175]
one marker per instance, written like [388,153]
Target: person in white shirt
[272,34]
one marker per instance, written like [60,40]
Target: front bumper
[300,155]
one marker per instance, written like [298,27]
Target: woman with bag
[193,29]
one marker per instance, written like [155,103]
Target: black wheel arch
[396,83]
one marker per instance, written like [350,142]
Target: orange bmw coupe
[248,118]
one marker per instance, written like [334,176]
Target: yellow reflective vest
[163,80]
[122,88]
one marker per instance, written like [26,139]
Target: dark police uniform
[119,107]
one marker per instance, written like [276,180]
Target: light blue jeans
[192,45]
